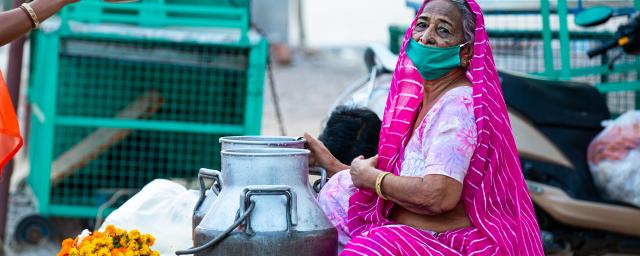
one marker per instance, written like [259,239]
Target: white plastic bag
[163,209]
[614,159]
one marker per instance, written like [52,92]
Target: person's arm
[320,156]
[439,193]
[428,195]
[15,23]
[446,151]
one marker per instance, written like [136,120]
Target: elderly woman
[447,179]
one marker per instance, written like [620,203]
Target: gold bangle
[379,184]
[34,18]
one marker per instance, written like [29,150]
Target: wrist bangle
[31,13]
[379,184]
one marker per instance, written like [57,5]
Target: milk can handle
[268,190]
[215,187]
[319,184]
[214,242]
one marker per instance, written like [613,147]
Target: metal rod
[148,125]
[565,46]
[580,5]
[275,98]
[302,33]
[272,86]
[602,70]
[604,60]
[619,87]
[547,37]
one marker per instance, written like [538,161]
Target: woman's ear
[465,55]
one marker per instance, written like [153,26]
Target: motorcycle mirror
[594,16]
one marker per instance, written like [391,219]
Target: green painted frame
[566,72]
[43,87]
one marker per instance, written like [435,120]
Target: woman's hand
[320,156]
[364,173]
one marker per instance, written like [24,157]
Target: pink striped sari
[494,192]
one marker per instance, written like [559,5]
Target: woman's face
[439,25]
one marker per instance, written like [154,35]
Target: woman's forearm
[429,195]
[409,192]
[335,167]
[15,23]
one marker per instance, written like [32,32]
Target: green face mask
[433,62]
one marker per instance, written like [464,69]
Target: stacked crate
[124,94]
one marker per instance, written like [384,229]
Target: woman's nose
[428,37]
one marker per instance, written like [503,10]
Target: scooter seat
[569,115]
[555,103]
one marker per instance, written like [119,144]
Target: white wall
[335,23]
[351,22]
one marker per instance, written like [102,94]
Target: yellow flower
[133,247]
[145,250]
[74,252]
[132,253]
[104,252]
[124,241]
[87,248]
[151,239]
[112,242]
[148,239]
[134,234]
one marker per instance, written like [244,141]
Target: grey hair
[469,19]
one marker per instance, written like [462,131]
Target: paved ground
[308,88]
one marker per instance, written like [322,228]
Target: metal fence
[115,106]
[518,45]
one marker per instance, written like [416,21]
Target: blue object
[414,4]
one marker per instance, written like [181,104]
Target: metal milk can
[234,142]
[209,195]
[265,207]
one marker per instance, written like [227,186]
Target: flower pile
[112,242]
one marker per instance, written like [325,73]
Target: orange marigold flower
[111,242]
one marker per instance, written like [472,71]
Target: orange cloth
[10,139]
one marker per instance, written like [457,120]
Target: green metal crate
[182,73]
[85,83]
[163,13]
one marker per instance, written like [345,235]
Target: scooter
[553,123]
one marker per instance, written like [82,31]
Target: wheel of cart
[32,230]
